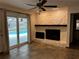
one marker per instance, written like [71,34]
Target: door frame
[29,28]
[73,18]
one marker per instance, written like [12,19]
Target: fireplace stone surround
[51,34]
[63,34]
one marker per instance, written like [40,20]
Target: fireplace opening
[53,34]
[40,35]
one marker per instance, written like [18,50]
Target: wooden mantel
[51,25]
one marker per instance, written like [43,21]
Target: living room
[52,27]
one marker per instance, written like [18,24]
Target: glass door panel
[12,30]
[17,29]
[23,30]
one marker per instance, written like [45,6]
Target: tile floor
[41,51]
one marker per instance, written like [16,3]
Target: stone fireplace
[57,19]
[53,34]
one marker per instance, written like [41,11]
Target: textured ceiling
[20,3]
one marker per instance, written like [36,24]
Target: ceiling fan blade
[43,2]
[43,9]
[29,4]
[51,6]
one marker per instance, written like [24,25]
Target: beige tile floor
[41,51]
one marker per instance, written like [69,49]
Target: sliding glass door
[17,30]
[23,31]
[12,30]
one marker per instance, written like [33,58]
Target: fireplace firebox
[40,35]
[53,34]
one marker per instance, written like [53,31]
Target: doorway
[18,29]
[74,31]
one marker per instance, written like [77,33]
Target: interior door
[74,30]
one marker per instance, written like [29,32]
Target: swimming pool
[14,33]
[13,37]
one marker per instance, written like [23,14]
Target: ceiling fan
[41,4]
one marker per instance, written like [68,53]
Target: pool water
[13,37]
[13,33]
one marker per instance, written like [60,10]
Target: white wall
[33,20]
[74,9]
